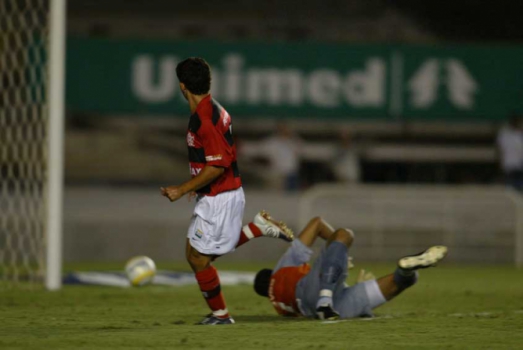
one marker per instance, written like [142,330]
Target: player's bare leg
[209,283]
[316,227]
[406,274]
[264,225]
[333,267]
[388,287]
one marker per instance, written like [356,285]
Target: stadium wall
[114,224]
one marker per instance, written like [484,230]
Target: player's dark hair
[195,73]
[262,282]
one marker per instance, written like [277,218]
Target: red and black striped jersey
[210,142]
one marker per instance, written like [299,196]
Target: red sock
[210,286]
[249,232]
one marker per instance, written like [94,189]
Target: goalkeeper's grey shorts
[350,302]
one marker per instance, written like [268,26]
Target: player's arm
[217,157]
[317,227]
[208,174]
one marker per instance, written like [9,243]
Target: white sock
[325,298]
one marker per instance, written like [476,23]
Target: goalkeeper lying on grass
[294,288]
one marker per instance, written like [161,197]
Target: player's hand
[172,192]
[191,195]
[365,276]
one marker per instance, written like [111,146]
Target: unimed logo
[235,82]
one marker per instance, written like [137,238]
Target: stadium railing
[480,224]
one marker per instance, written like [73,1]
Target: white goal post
[32,65]
[480,224]
[57,33]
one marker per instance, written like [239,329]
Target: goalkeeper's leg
[333,269]
[406,273]
[360,299]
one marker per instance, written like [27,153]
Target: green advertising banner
[300,80]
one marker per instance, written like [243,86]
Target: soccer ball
[140,270]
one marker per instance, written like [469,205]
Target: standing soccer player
[216,225]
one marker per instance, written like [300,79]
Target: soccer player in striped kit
[216,225]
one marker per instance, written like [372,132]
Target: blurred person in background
[510,149]
[283,152]
[346,162]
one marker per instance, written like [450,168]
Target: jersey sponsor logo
[195,171]
[190,139]
[271,289]
[213,158]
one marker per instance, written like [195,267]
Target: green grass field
[450,307]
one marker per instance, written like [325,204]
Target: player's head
[262,282]
[194,74]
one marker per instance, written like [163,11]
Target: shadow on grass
[271,319]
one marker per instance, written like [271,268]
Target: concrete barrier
[114,224]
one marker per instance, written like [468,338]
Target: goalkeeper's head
[262,282]
[194,74]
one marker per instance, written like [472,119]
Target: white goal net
[479,224]
[24,134]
